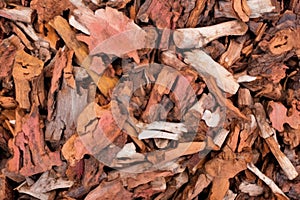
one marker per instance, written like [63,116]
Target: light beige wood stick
[275,189]
[198,37]
[268,133]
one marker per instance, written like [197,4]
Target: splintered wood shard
[198,37]
[205,65]
[267,132]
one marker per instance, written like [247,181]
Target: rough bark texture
[154,99]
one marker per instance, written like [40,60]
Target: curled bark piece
[240,10]
[205,65]
[18,13]
[198,37]
[275,189]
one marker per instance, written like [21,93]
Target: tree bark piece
[198,37]
[36,157]
[69,102]
[29,80]
[8,50]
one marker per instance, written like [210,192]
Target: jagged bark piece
[183,149]
[74,150]
[205,66]
[132,180]
[36,157]
[268,133]
[89,171]
[69,102]
[220,97]
[109,22]
[18,13]
[96,136]
[278,116]
[28,29]
[29,80]
[198,37]
[47,10]
[68,35]
[222,170]
[159,12]
[8,50]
